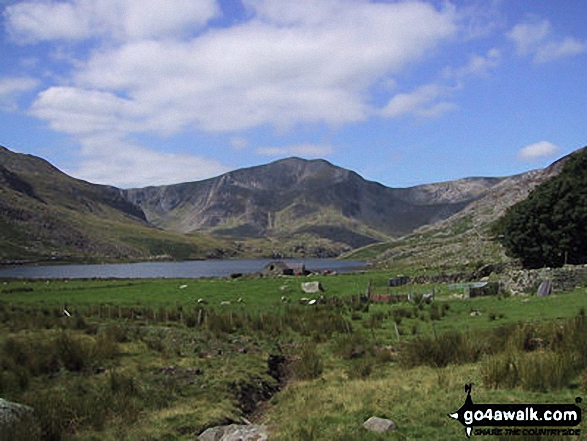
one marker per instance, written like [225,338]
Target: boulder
[235,432]
[17,421]
[379,425]
[312,287]
[545,289]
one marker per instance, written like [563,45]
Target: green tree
[549,228]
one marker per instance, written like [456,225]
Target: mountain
[45,214]
[464,238]
[303,198]
[292,208]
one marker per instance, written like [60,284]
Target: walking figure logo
[460,414]
[512,416]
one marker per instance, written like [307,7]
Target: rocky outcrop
[300,196]
[379,425]
[17,422]
[235,432]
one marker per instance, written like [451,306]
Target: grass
[142,359]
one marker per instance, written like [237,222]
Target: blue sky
[139,92]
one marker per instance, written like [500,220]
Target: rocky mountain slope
[294,196]
[45,214]
[465,237]
[292,207]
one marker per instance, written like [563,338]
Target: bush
[74,353]
[309,365]
[360,369]
[548,228]
[351,346]
[539,371]
[451,347]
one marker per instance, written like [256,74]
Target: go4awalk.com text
[519,419]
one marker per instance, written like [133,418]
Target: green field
[164,359]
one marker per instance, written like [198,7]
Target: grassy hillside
[465,238]
[47,215]
[143,359]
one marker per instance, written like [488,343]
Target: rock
[235,432]
[379,425]
[17,421]
[545,289]
[312,287]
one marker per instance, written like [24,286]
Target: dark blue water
[189,269]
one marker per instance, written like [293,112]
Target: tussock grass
[143,360]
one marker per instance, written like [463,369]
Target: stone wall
[518,281]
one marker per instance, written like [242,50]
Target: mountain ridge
[48,215]
[291,207]
[464,238]
[294,195]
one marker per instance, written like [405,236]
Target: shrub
[451,347]
[105,348]
[535,371]
[584,381]
[360,369]
[309,365]
[350,346]
[74,354]
[122,383]
[501,371]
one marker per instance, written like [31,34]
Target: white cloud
[239,143]
[478,65]
[305,150]
[12,86]
[160,67]
[111,160]
[79,111]
[274,69]
[528,35]
[32,21]
[535,38]
[551,51]
[542,149]
[426,101]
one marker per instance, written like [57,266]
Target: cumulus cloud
[32,21]
[425,101]
[542,149]
[108,159]
[293,64]
[305,150]
[11,87]
[80,111]
[162,67]
[239,143]
[478,65]
[536,39]
[554,50]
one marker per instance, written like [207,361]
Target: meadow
[164,359]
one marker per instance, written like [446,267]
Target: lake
[148,270]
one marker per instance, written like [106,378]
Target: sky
[134,93]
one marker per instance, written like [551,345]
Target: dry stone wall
[518,281]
